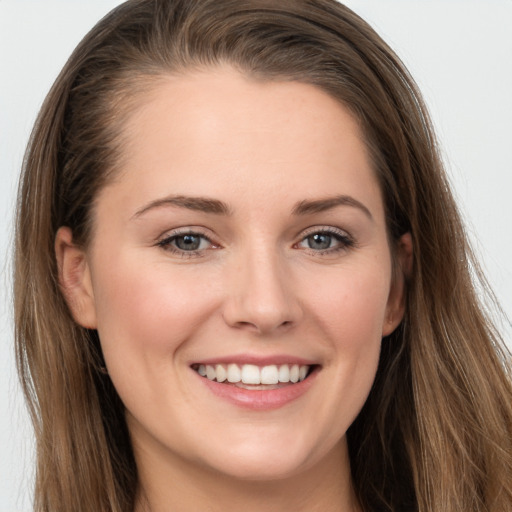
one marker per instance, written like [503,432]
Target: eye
[190,242]
[186,243]
[325,241]
[319,241]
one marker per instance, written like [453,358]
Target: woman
[241,277]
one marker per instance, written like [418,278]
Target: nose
[261,296]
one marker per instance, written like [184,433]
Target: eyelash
[166,243]
[344,241]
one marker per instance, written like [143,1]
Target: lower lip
[260,399]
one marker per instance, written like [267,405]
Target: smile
[257,385]
[253,375]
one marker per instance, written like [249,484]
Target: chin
[259,470]
[267,461]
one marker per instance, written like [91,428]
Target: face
[239,275]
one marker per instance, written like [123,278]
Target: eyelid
[165,241]
[186,230]
[324,229]
[346,240]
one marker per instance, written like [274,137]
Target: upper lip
[256,360]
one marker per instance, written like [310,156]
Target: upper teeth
[252,374]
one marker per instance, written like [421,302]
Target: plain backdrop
[459,51]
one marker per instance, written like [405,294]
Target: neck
[176,484]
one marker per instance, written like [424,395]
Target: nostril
[243,325]
[261,326]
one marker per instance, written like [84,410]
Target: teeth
[270,375]
[284,373]
[210,372]
[294,373]
[234,373]
[221,373]
[252,374]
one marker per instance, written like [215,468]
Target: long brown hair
[435,434]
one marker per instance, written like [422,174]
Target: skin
[255,286]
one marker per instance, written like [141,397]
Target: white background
[459,51]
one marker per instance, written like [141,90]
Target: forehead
[219,133]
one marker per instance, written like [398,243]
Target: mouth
[254,377]
[257,382]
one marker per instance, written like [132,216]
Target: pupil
[188,242]
[319,241]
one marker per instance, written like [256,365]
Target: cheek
[352,306]
[351,311]
[149,312]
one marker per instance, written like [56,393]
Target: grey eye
[319,241]
[326,241]
[188,242]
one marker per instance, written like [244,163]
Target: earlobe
[75,279]
[395,309]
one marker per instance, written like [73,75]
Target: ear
[75,279]
[395,308]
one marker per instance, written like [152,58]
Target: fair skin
[286,262]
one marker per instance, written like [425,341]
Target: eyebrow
[200,204]
[321,205]
[214,206]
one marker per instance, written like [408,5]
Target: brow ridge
[202,204]
[308,207]
[217,207]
